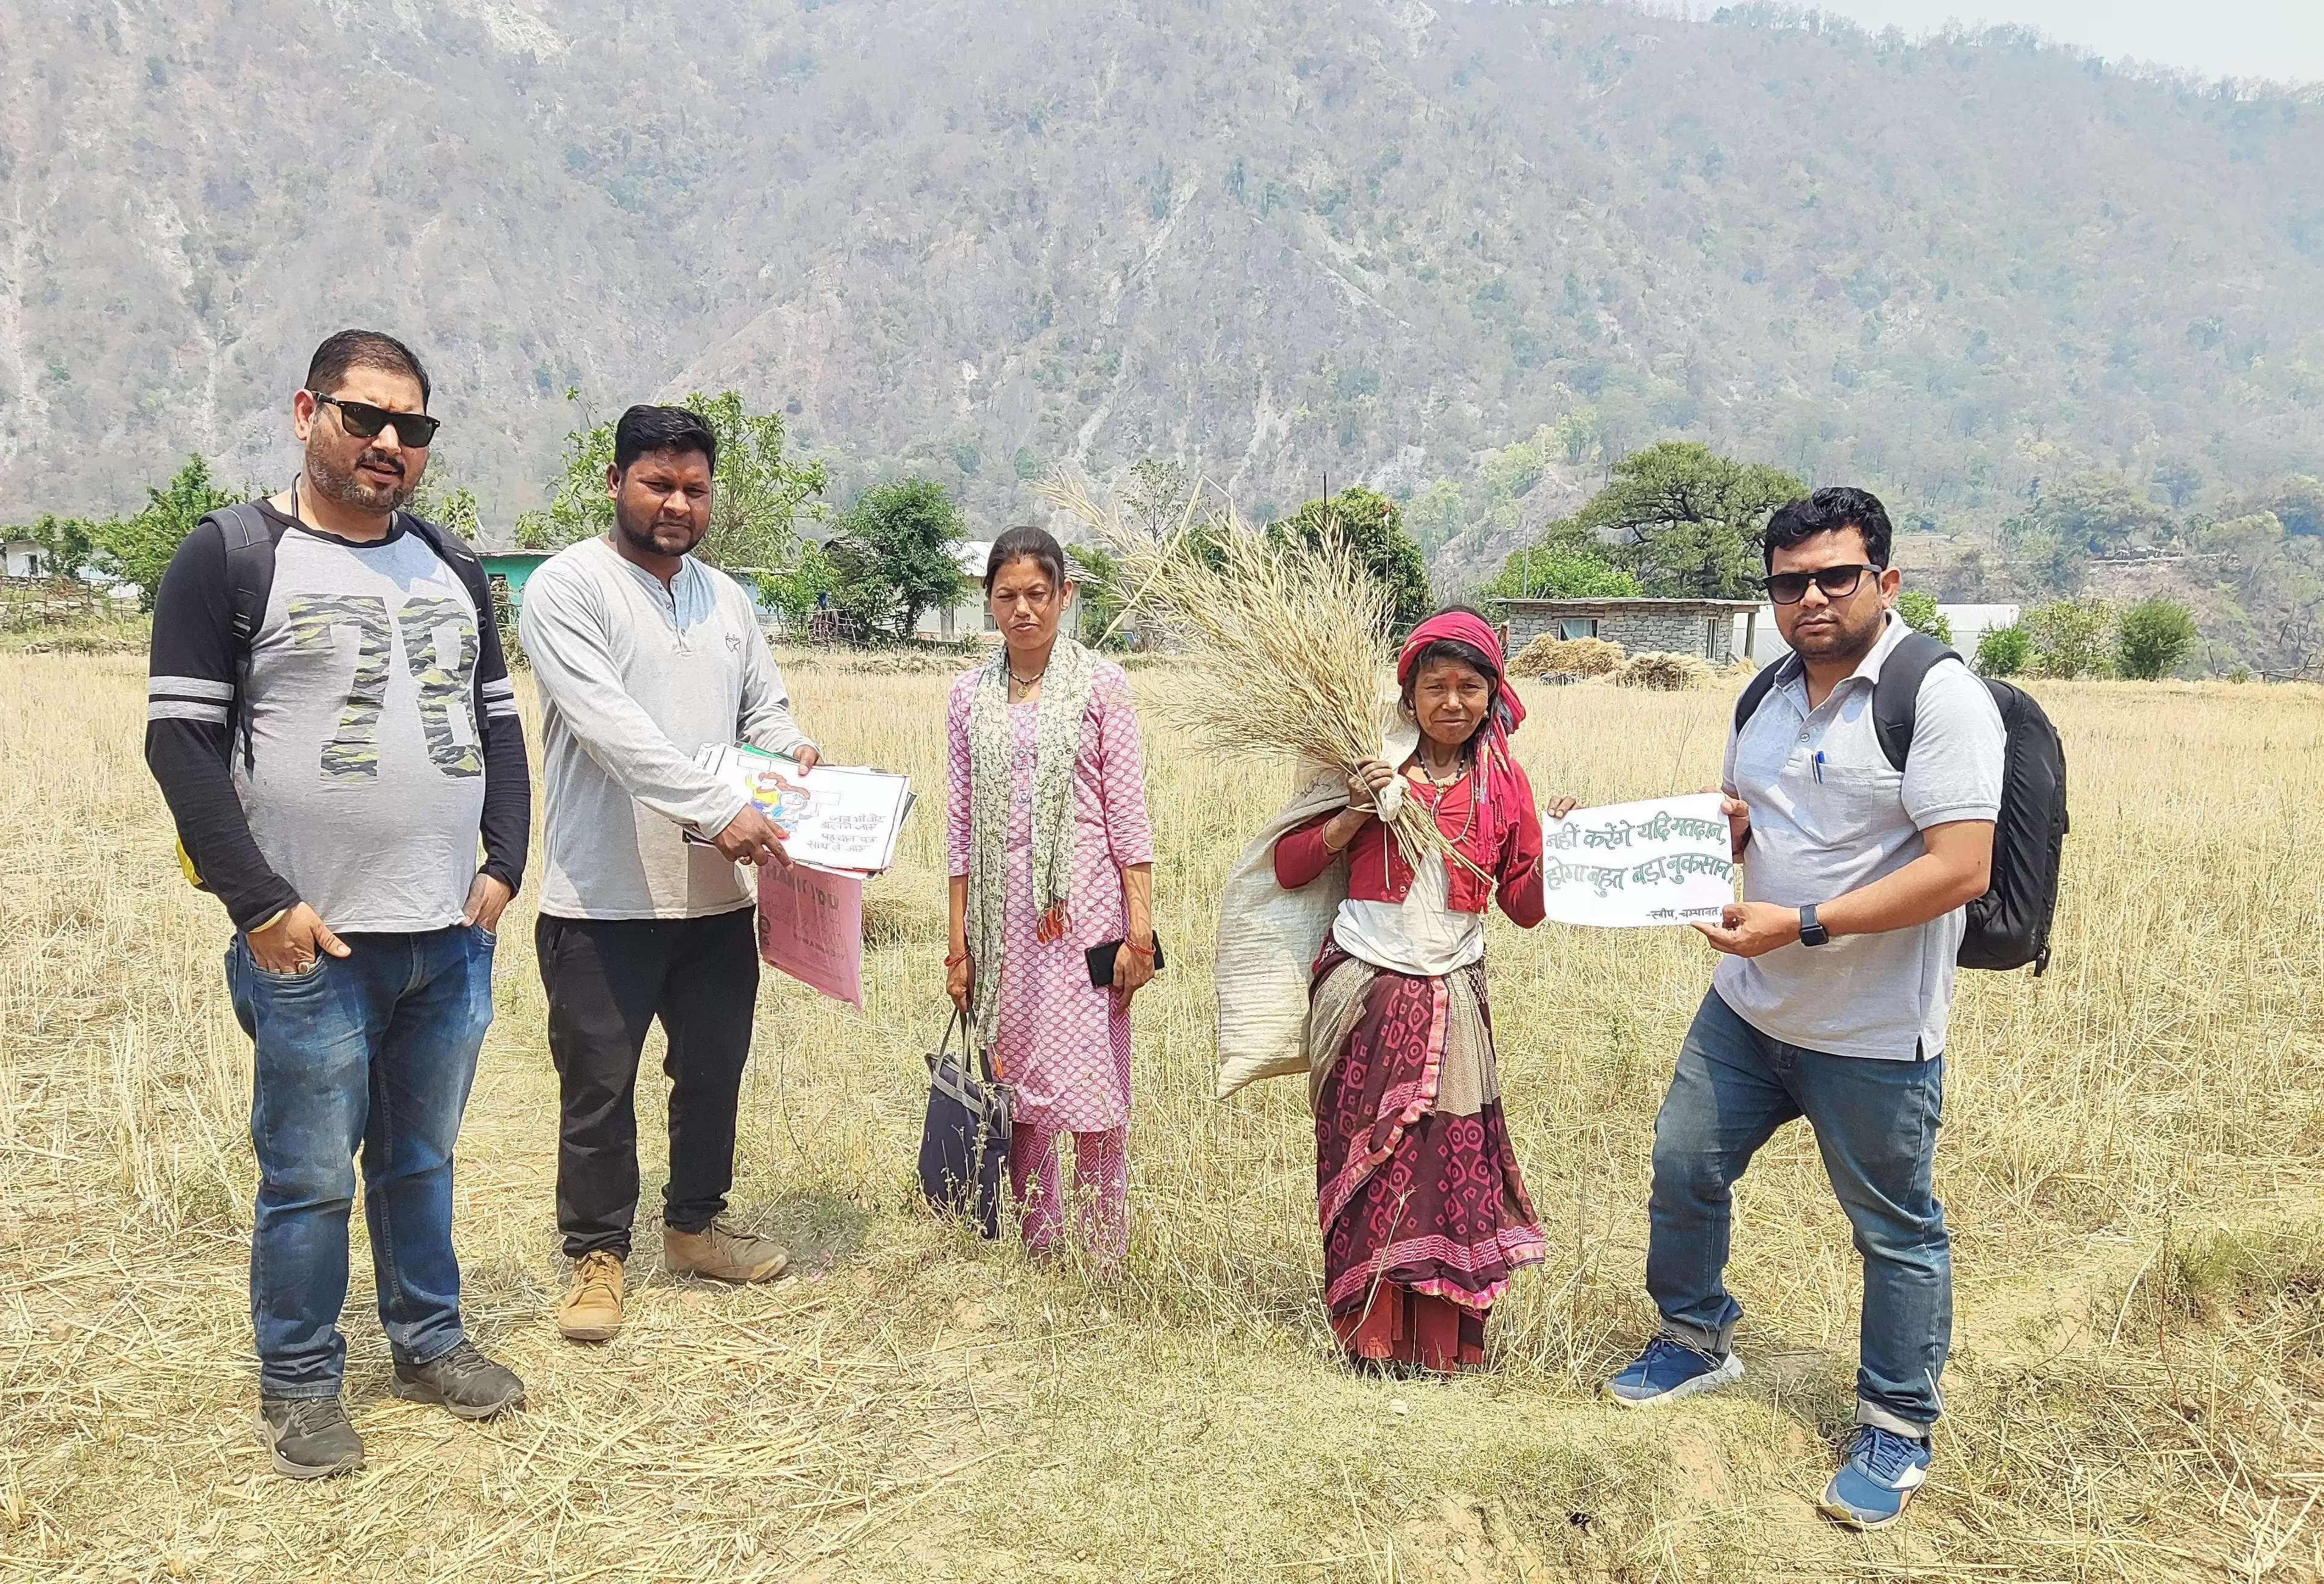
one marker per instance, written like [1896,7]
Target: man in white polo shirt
[1830,1003]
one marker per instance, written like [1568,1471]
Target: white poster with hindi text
[1632,865]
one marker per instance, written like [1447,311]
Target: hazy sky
[2282,38]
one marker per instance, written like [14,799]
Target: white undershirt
[1420,935]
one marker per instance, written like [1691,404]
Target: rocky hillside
[1269,238]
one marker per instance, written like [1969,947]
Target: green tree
[454,509]
[896,554]
[1918,607]
[2069,637]
[1555,571]
[1154,496]
[2003,651]
[1511,472]
[1435,516]
[1687,522]
[760,496]
[2296,501]
[2179,480]
[1102,592]
[1371,526]
[2154,636]
[137,549]
[2101,511]
[1576,435]
[795,590]
[67,544]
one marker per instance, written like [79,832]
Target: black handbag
[964,1143]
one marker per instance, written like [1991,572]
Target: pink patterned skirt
[1418,1209]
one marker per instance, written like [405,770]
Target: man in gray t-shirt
[1829,1002]
[329,717]
[644,656]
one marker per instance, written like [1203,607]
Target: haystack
[1547,656]
[1664,673]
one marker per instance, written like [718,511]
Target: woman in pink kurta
[1078,876]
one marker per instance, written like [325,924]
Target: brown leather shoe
[723,1253]
[591,1309]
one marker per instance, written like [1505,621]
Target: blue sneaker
[1668,1370]
[1883,1472]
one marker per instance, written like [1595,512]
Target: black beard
[1845,645]
[346,487]
[642,540]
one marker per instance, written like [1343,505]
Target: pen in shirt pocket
[1819,767]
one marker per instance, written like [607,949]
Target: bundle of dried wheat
[1663,673]
[1568,656]
[1289,639]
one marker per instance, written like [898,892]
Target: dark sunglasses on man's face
[1789,589]
[363,422]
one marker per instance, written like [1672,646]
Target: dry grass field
[2133,1166]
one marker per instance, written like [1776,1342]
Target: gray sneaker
[467,1383]
[310,1438]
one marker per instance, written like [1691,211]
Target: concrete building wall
[1706,634]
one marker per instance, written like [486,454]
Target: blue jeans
[1876,1125]
[372,1051]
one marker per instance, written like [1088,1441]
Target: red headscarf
[1497,777]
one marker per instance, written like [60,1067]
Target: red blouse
[1504,842]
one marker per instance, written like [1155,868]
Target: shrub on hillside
[1658,672]
[1566,656]
[2153,637]
[1918,607]
[2003,651]
[2071,638]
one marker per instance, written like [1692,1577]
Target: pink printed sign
[811,926]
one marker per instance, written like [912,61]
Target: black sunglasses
[1789,589]
[363,422]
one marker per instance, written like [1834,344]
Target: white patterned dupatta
[993,745]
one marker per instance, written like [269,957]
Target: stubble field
[2130,1163]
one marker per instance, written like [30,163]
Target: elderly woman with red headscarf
[1424,1216]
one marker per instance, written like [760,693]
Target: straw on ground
[2131,1163]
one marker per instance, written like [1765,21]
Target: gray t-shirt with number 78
[366,777]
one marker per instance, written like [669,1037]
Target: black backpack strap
[1896,696]
[250,536]
[1754,693]
[460,556]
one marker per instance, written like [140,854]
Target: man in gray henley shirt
[1829,1003]
[643,655]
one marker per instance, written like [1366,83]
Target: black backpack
[2010,925]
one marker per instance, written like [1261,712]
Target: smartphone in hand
[1100,962]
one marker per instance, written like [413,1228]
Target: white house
[1970,623]
[968,617]
[25,558]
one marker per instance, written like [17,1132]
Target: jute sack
[1268,937]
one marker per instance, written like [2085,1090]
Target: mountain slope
[1273,240]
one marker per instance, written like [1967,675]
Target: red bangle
[1141,950]
[956,962]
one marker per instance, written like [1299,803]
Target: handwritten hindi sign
[811,926]
[1634,864]
[833,816]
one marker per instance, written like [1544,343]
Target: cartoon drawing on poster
[834,816]
[783,800]
[1632,865]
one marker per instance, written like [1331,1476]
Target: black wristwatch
[1812,933]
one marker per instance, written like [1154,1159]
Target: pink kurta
[1064,1044]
